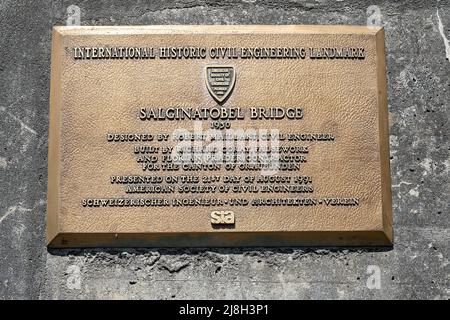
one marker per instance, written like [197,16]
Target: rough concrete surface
[418,53]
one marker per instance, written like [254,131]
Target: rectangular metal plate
[283,132]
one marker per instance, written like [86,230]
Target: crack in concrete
[441,31]
[23,125]
[19,208]
[12,210]
[400,184]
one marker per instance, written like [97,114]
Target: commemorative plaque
[218,136]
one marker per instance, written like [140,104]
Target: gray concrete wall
[418,54]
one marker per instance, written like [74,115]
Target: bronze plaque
[218,136]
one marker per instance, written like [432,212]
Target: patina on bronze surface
[118,94]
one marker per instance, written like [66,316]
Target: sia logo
[220,81]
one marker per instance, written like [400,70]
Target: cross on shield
[220,81]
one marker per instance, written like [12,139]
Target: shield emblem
[220,81]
